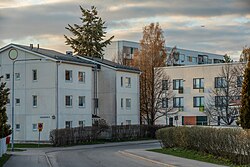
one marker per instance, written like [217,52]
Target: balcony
[180,90]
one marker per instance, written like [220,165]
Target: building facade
[62,91]
[194,87]
[123,52]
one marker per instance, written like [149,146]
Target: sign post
[40,128]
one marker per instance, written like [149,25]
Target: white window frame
[82,123]
[34,127]
[18,127]
[34,100]
[70,124]
[128,101]
[81,76]
[70,79]
[34,75]
[83,102]
[7,79]
[128,82]
[17,99]
[128,122]
[17,76]
[122,106]
[121,81]
[70,100]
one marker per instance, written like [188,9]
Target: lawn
[189,154]
[4,159]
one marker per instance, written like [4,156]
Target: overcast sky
[216,26]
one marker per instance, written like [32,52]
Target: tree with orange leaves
[155,94]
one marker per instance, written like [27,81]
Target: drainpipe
[57,95]
[95,90]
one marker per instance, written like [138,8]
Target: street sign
[40,127]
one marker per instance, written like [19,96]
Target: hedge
[78,135]
[229,143]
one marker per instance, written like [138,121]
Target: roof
[111,64]
[54,54]
[57,56]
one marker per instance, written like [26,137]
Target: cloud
[226,21]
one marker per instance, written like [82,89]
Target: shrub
[230,143]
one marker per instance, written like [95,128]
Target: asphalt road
[127,154]
[103,156]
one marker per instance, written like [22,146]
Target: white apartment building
[122,50]
[63,91]
[192,86]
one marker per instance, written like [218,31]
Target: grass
[4,159]
[194,155]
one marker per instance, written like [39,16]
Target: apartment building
[193,88]
[123,51]
[63,91]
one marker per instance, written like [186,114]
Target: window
[198,83]
[17,101]
[18,127]
[128,122]
[8,101]
[17,76]
[68,101]
[220,82]
[189,58]
[68,75]
[164,102]
[34,127]
[194,59]
[68,124]
[239,81]
[7,76]
[34,100]
[82,123]
[177,84]
[122,103]
[178,102]
[199,101]
[128,82]
[128,103]
[164,85]
[81,76]
[220,101]
[121,81]
[34,75]
[81,101]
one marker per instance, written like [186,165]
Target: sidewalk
[165,160]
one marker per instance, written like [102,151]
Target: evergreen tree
[245,99]
[4,92]
[89,37]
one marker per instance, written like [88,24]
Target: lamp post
[13,54]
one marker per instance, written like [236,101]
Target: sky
[215,26]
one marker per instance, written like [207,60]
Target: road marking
[146,159]
[48,161]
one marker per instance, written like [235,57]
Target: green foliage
[245,100]
[228,143]
[4,92]
[89,37]
[227,59]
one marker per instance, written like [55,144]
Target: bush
[229,143]
[78,135]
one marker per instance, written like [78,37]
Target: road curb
[126,153]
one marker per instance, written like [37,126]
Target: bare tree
[173,57]
[223,103]
[151,55]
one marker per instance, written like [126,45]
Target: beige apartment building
[192,86]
